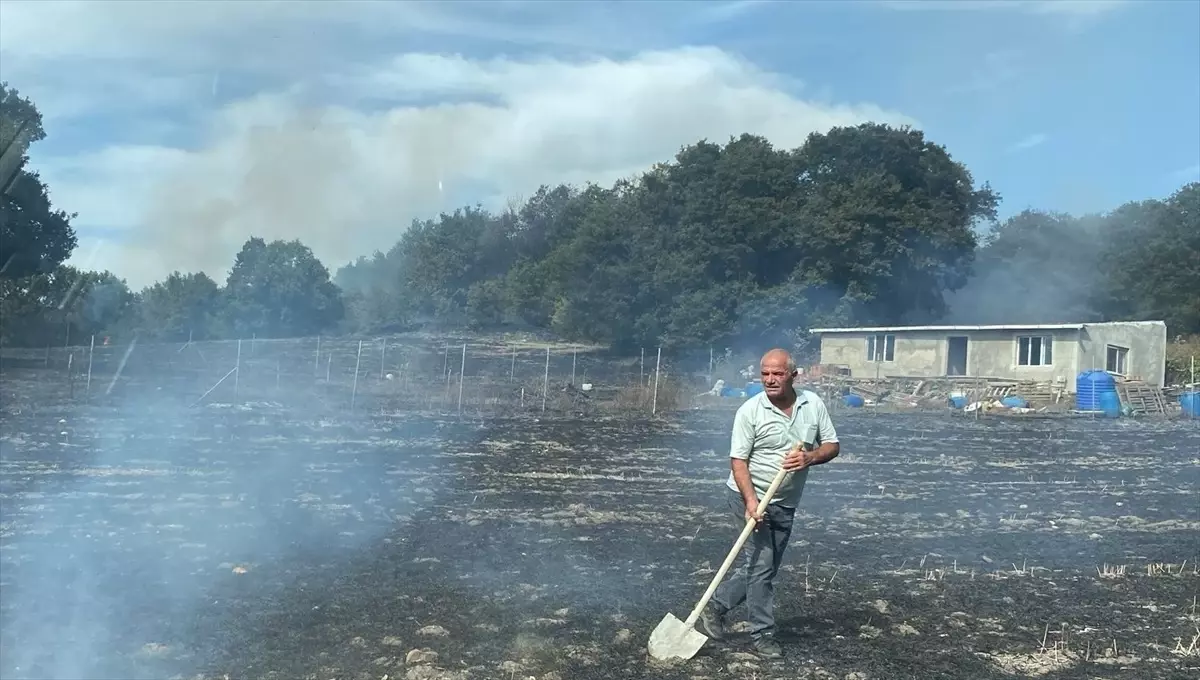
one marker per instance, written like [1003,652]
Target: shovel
[680,639]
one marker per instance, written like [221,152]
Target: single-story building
[1131,349]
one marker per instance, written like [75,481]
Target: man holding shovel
[775,428]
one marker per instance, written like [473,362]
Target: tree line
[726,244]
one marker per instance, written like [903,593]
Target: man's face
[776,378]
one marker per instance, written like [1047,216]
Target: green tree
[64,305]
[440,260]
[887,217]
[181,306]
[280,289]
[32,308]
[1035,267]
[722,220]
[597,279]
[375,297]
[101,304]
[34,237]
[1151,262]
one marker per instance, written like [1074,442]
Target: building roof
[1004,327]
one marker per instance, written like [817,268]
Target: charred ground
[259,542]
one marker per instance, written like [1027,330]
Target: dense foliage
[725,244]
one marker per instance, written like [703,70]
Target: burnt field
[260,540]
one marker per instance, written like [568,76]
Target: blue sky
[176,131]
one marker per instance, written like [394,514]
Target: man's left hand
[796,459]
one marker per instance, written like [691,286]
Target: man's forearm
[741,477]
[824,453]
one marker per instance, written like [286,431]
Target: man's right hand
[752,510]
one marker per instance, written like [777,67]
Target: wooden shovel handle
[712,587]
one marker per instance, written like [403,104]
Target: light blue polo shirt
[763,435]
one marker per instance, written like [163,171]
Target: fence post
[574,357]
[354,390]
[462,370]
[512,370]
[642,369]
[383,359]
[546,379]
[1193,384]
[91,352]
[657,364]
[317,358]
[237,377]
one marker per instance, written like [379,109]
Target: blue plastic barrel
[853,400]
[753,388]
[1089,386]
[1110,403]
[1014,402]
[958,402]
[1190,401]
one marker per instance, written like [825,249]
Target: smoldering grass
[1057,649]
[1022,571]
[1165,569]
[1192,648]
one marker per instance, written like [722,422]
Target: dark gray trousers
[751,579]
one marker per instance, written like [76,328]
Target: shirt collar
[801,400]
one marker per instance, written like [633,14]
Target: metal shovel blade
[674,639]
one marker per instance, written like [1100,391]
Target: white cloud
[1077,7]
[1188,174]
[1036,139]
[345,153]
[1060,7]
[1072,16]
[726,11]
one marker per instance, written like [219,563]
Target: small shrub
[1179,359]
[672,395]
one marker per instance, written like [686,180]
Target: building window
[1035,350]
[881,347]
[1117,360]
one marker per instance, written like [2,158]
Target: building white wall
[1146,342]
[993,353]
[915,355]
[990,354]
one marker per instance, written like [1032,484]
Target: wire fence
[458,375]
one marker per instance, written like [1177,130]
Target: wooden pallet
[1141,397]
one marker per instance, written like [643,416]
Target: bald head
[779,357]
[778,368]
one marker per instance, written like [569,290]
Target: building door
[956,355]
